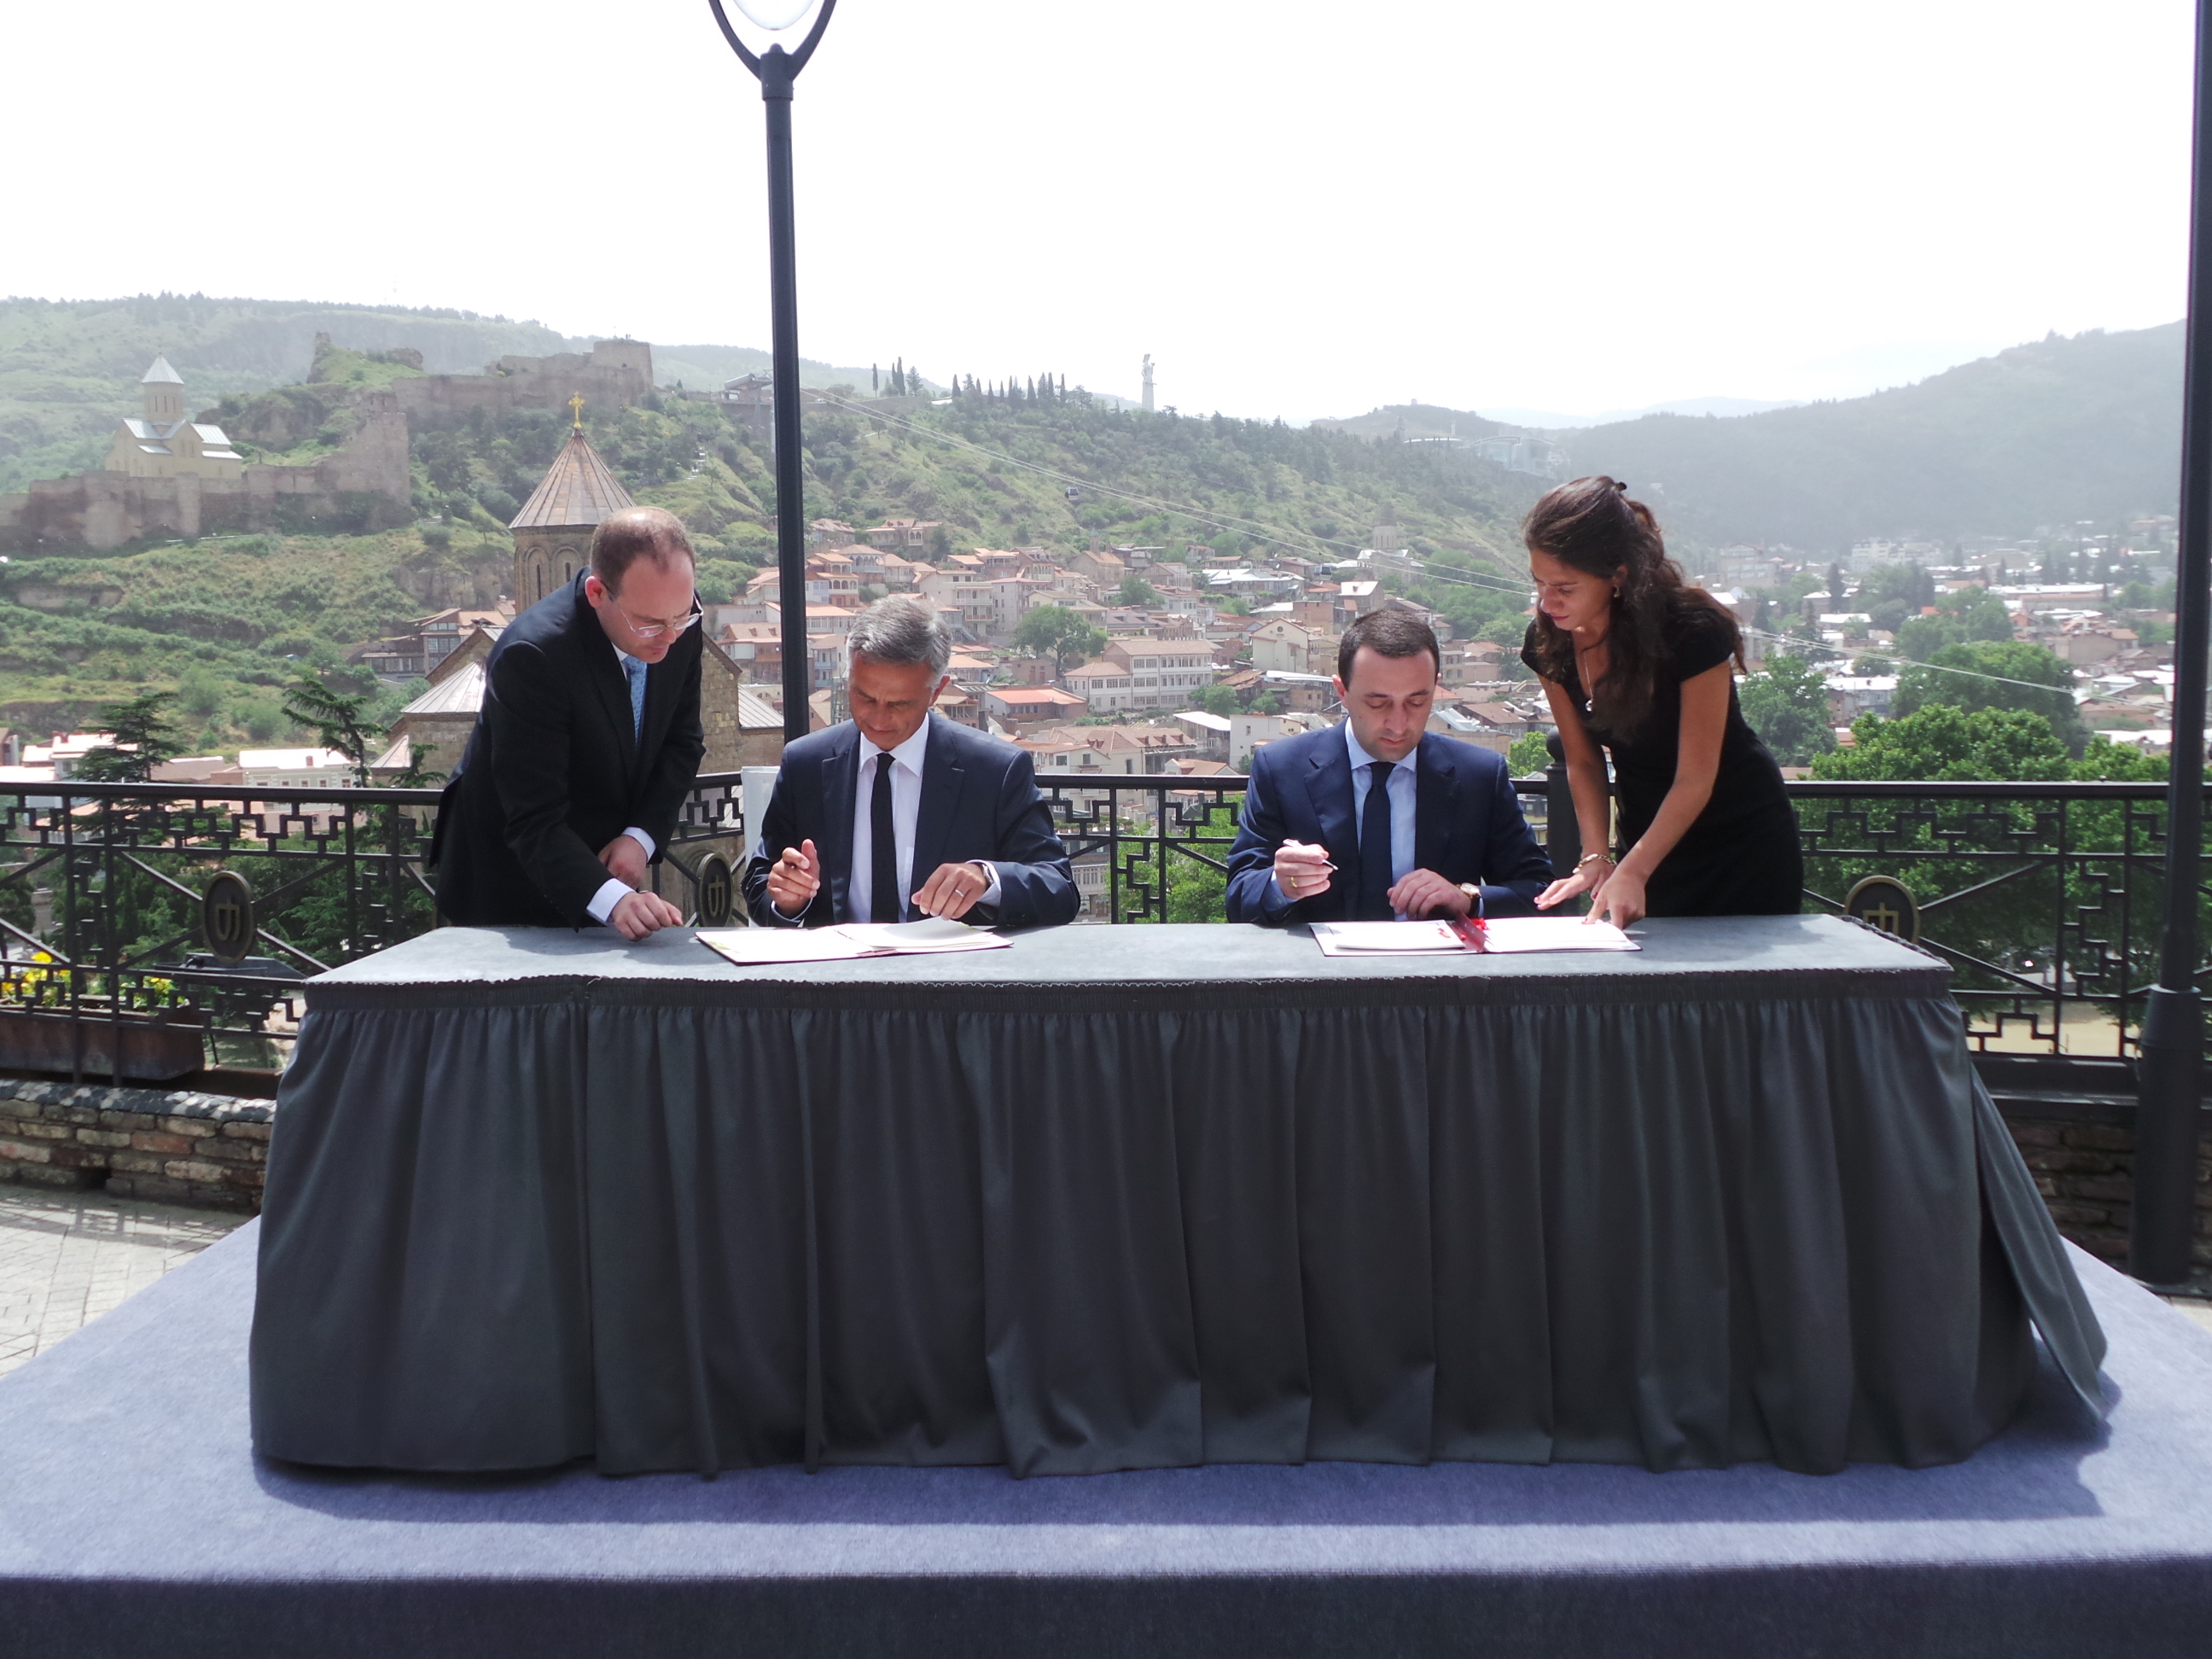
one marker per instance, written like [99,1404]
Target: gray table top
[1168,967]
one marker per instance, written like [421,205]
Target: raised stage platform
[134,1521]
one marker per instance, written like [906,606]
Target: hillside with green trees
[2042,437]
[227,623]
[70,369]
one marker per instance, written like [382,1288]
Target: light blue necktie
[635,670]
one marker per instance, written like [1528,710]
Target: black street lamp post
[777,70]
[2170,1073]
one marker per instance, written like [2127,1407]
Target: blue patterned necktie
[635,671]
[1373,900]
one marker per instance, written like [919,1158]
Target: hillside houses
[1179,639]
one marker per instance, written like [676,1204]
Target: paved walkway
[68,1257]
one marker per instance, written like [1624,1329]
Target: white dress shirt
[907,762]
[612,889]
[1404,781]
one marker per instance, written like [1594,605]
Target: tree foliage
[1997,674]
[144,740]
[1136,591]
[1787,704]
[1971,613]
[1942,742]
[1528,755]
[1062,633]
[338,720]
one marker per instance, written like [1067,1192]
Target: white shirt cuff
[641,838]
[991,893]
[610,894]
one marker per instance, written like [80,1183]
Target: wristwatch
[1473,892]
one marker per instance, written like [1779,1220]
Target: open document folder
[754,947]
[1502,936]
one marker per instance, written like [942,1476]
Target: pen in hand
[1303,871]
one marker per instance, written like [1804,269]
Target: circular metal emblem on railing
[1883,901]
[227,918]
[717,890]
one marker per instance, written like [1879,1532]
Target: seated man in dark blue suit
[1441,836]
[898,813]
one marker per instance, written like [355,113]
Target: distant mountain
[1552,421]
[1412,421]
[2041,436]
[70,369]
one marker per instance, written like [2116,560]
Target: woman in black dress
[1637,662]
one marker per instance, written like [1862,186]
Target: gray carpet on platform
[134,1520]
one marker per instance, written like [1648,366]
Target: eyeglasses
[654,630]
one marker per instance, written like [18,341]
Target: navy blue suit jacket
[979,801]
[554,770]
[1467,827]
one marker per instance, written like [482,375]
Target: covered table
[1144,1196]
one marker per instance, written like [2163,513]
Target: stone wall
[616,374]
[208,1150]
[2083,1162]
[362,485]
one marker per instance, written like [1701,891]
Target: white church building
[164,445]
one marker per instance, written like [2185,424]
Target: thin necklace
[1589,692]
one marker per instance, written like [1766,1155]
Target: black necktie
[1374,901]
[883,845]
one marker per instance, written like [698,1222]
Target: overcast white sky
[1575,205]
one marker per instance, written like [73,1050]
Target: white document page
[757,946]
[1386,938]
[1511,935]
[931,934]
[752,947]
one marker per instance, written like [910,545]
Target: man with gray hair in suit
[899,813]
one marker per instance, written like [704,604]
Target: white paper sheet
[1512,935]
[751,947]
[1386,938]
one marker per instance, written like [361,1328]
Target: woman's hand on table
[1585,877]
[1619,899]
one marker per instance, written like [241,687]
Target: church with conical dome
[553,532]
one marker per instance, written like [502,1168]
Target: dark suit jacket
[1467,827]
[979,800]
[553,773]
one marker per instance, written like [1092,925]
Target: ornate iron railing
[2045,898]
[153,930]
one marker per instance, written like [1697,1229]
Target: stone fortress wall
[364,485]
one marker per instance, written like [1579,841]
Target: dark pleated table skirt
[1141,1197]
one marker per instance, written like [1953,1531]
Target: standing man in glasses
[587,745]
[897,813]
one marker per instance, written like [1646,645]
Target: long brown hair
[1592,526]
